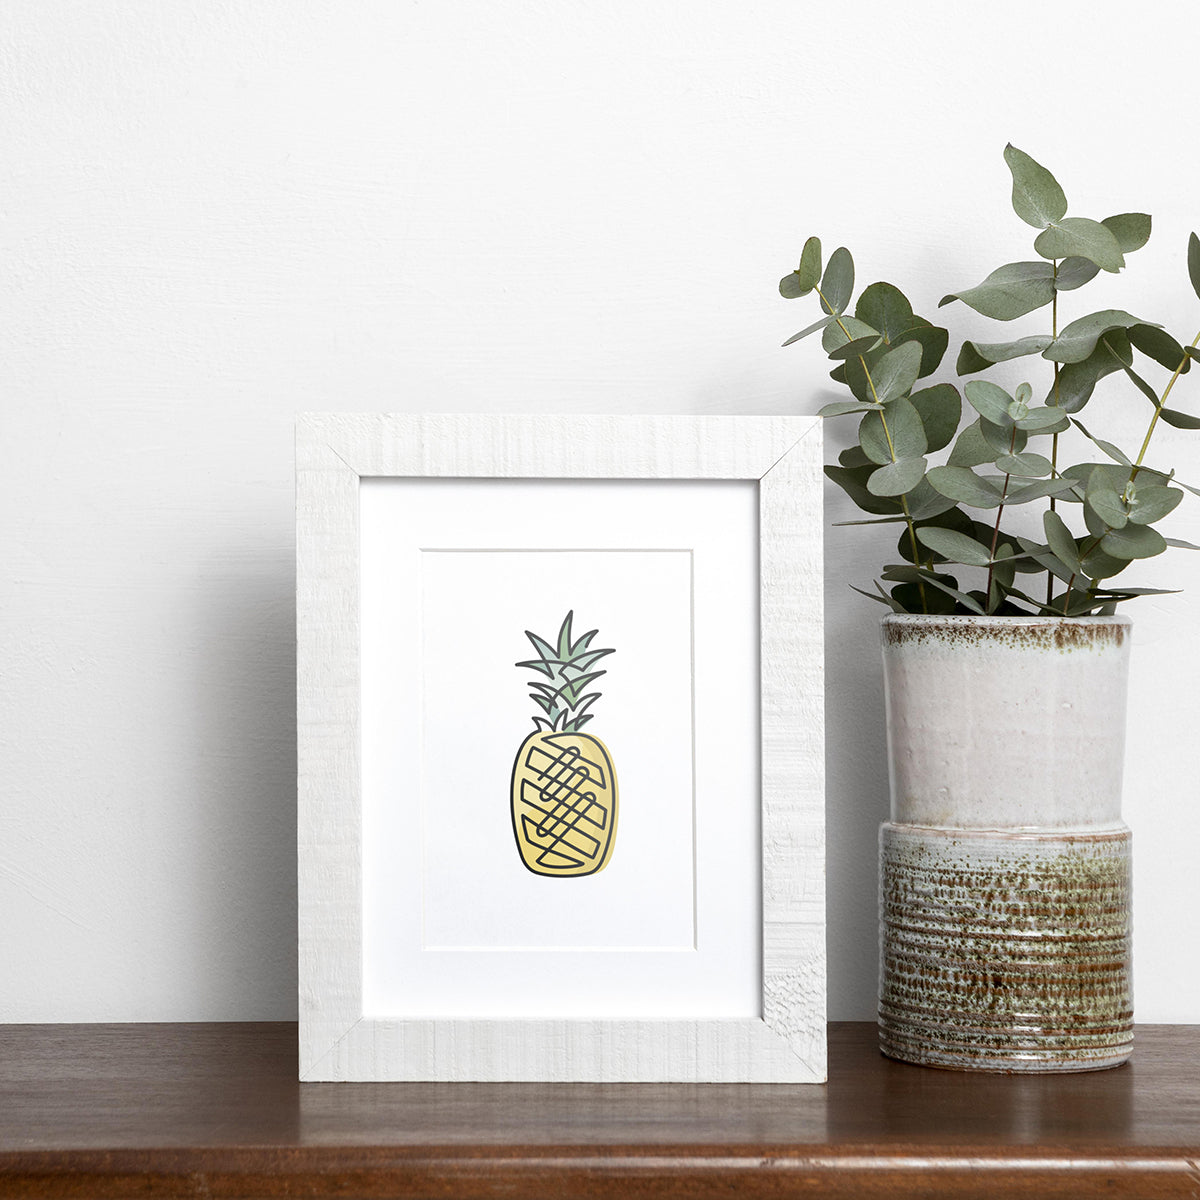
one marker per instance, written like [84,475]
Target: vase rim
[993,619]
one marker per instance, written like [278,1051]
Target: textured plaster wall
[215,215]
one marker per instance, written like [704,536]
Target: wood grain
[215,1110]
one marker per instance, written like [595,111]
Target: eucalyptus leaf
[853,481]
[1180,544]
[857,348]
[837,284]
[918,576]
[813,328]
[882,598]
[1132,230]
[790,288]
[1026,465]
[1079,237]
[1179,420]
[964,486]
[954,547]
[1075,382]
[853,456]
[897,371]
[1077,341]
[873,437]
[839,408]
[972,449]
[1010,291]
[1133,541]
[1143,387]
[809,271]
[1158,344]
[1061,541]
[1099,565]
[1105,501]
[990,401]
[926,502]
[843,330]
[1039,489]
[1036,196]
[1002,441]
[885,308]
[932,339]
[897,478]
[978,356]
[1074,273]
[1113,452]
[1193,259]
[940,409]
[1044,420]
[1150,504]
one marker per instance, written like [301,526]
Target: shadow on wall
[246,732]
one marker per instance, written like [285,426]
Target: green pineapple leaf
[543,648]
[564,638]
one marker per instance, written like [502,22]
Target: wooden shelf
[215,1110]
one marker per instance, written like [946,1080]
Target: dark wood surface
[215,1111]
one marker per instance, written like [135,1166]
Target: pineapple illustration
[564,789]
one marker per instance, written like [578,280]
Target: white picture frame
[781,456]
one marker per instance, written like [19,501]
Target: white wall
[218,214]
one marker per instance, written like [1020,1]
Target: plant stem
[1012,442]
[1054,438]
[1137,466]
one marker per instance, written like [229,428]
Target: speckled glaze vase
[1005,867]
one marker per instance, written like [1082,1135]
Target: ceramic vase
[1005,866]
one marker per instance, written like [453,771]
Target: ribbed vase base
[1005,951]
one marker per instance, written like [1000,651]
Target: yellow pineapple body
[564,803]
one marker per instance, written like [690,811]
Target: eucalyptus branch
[884,347]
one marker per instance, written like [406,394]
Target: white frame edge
[783,454]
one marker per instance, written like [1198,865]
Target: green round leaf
[1036,196]
[990,401]
[1002,441]
[1061,541]
[1105,501]
[896,372]
[1027,465]
[1082,238]
[856,348]
[1010,291]
[965,487]
[842,330]
[1133,541]
[790,287]
[1159,345]
[809,270]
[932,339]
[1077,341]
[954,547]
[940,409]
[1074,273]
[897,478]
[1193,262]
[885,308]
[1132,230]
[1150,504]
[837,284]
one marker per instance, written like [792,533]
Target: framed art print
[560,748]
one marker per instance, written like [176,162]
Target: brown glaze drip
[1050,633]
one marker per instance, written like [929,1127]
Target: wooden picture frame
[782,457]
